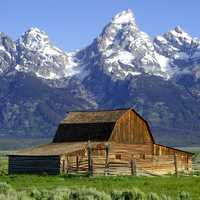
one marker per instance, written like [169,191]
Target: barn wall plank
[131,129]
[34,164]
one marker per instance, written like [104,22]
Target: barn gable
[131,128]
[118,139]
[84,126]
[122,125]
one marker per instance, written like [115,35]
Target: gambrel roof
[91,125]
[101,116]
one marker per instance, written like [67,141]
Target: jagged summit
[124,17]
[125,49]
[34,39]
[37,55]
[120,50]
[179,34]
[179,29]
[122,67]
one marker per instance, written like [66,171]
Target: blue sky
[73,24]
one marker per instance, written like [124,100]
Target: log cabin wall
[120,158]
[184,159]
[34,165]
[120,142]
[131,129]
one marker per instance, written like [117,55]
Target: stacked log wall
[121,157]
[184,159]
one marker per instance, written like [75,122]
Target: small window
[118,156]
[142,156]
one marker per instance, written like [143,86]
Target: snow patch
[2,48]
[50,76]
[181,55]
[125,16]
[122,56]
[163,62]
[180,33]
[161,39]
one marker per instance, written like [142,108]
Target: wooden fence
[102,161]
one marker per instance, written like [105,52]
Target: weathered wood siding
[34,164]
[120,158]
[131,129]
[184,159]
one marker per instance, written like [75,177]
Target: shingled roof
[88,125]
[93,116]
[52,149]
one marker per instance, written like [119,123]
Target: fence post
[77,163]
[106,172]
[133,167]
[175,164]
[63,166]
[90,162]
[67,165]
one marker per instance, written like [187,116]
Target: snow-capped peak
[38,55]
[121,29]
[180,34]
[34,39]
[35,31]
[124,17]
[125,49]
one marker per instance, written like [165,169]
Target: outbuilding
[104,142]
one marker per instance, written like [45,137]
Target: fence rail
[107,163]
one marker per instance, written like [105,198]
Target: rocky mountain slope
[122,67]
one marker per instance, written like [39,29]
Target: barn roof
[57,149]
[51,149]
[88,125]
[99,116]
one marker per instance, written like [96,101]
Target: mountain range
[122,67]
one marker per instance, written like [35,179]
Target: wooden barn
[111,142]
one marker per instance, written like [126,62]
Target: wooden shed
[109,142]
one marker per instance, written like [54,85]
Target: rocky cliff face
[122,67]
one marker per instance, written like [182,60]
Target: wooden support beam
[106,172]
[175,164]
[90,161]
[63,166]
[67,164]
[77,163]
[133,167]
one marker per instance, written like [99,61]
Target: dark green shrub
[138,195]
[165,197]
[153,196]
[116,195]
[127,195]
[5,188]
[134,194]
[88,194]
[23,196]
[40,194]
[60,194]
[184,196]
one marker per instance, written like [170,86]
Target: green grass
[160,185]
[13,143]
[3,163]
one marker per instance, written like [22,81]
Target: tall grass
[8,193]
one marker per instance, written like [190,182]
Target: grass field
[161,185]
[13,143]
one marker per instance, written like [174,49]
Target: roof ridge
[101,110]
